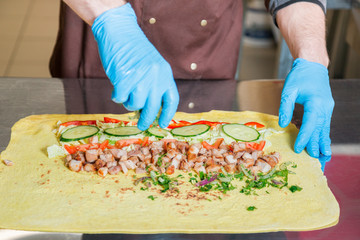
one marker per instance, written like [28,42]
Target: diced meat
[216,153]
[182,146]
[224,146]
[118,153]
[111,164]
[248,160]
[99,164]
[200,159]
[238,146]
[8,162]
[89,167]
[75,165]
[91,155]
[136,153]
[107,157]
[256,154]
[193,151]
[132,159]
[79,156]
[172,153]
[230,168]
[114,170]
[175,162]
[263,166]
[213,168]
[229,158]
[184,166]
[171,145]
[204,151]
[123,167]
[199,168]
[145,151]
[67,158]
[103,171]
[239,154]
[209,161]
[129,164]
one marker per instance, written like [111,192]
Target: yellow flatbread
[42,194]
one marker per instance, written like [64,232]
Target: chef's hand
[308,84]
[141,77]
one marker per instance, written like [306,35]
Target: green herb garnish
[251,208]
[152,197]
[295,188]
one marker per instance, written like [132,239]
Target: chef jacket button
[191,105]
[193,66]
[203,23]
[152,20]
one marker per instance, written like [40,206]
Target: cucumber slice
[158,132]
[78,133]
[240,132]
[190,131]
[122,131]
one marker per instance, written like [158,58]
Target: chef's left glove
[308,84]
[142,78]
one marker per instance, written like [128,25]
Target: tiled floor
[27,35]
[28,32]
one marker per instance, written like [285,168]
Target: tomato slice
[256,124]
[256,146]
[79,123]
[114,120]
[180,123]
[170,170]
[127,142]
[214,146]
[70,149]
[104,144]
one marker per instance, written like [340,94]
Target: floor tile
[29,69]
[41,27]
[7,45]
[45,8]
[14,7]
[34,49]
[10,25]
[3,65]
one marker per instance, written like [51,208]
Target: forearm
[302,25]
[88,10]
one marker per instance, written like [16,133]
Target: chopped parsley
[251,208]
[295,188]
[152,197]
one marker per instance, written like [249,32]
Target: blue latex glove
[308,84]
[141,77]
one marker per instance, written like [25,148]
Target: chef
[142,45]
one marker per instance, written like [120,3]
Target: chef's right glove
[141,77]
[308,84]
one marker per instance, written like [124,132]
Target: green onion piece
[295,188]
[251,208]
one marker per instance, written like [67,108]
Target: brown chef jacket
[199,38]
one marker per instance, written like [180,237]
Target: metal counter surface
[20,97]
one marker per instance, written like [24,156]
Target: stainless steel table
[20,97]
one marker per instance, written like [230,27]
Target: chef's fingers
[150,111]
[136,99]
[170,104]
[126,85]
[313,145]
[325,141]
[308,126]
[287,105]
